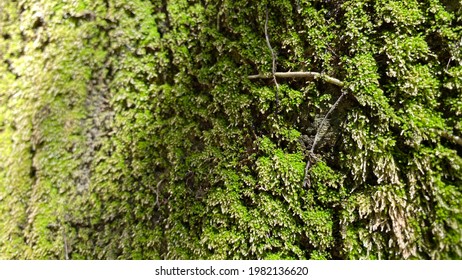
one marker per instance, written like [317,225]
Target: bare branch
[455,139]
[309,75]
[66,248]
[294,75]
[318,137]
[273,56]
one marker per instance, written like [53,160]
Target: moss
[129,130]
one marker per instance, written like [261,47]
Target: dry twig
[66,249]
[318,137]
[273,56]
[309,75]
[295,75]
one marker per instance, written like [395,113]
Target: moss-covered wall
[129,129]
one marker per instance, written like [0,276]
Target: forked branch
[309,75]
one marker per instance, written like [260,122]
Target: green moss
[129,130]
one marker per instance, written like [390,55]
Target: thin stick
[66,250]
[273,56]
[309,75]
[157,192]
[318,137]
[455,139]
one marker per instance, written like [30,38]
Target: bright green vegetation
[129,129]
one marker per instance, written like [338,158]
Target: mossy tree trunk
[135,129]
